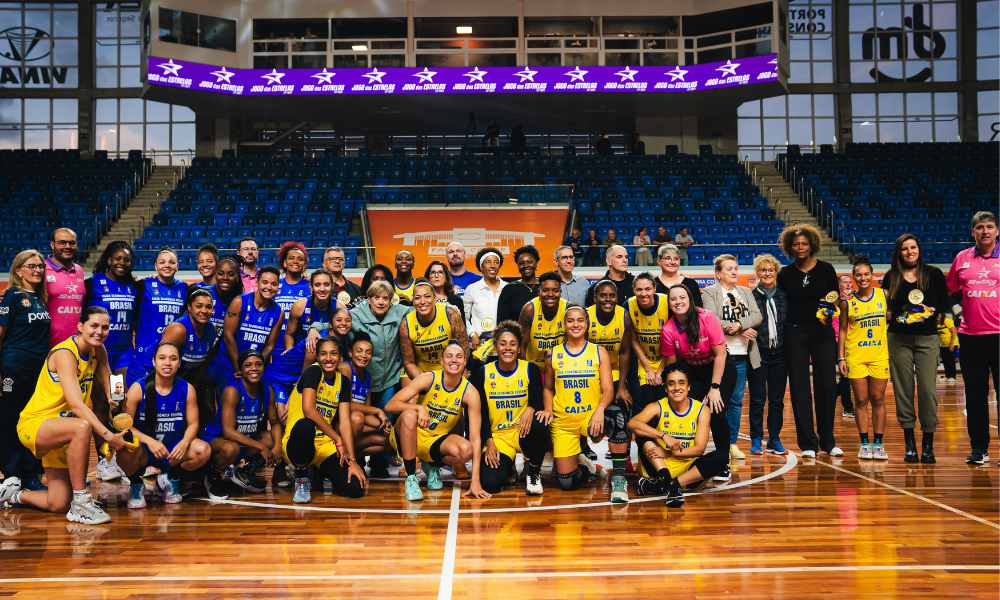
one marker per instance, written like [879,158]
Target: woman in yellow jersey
[57,423]
[648,311]
[403,282]
[321,427]
[425,332]
[578,393]
[949,344]
[673,448]
[864,355]
[542,319]
[510,392]
[429,409]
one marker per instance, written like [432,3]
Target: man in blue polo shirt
[460,277]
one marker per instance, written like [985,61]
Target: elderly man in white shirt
[481,297]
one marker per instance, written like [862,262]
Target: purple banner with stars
[461,80]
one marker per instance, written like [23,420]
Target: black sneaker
[978,457]
[649,487]
[317,480]
[378,468]
[247,480]
[675,495]
[723,475]
[215,487]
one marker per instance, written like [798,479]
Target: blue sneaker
[136,495]
[412,488]
[35,485]
[755,448]
[433,476]
[774,447]
[302,493]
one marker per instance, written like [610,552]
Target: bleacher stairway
[137,216]
[783,198]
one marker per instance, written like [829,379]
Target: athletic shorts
[281,392]
[325,447]
[163,464]
[120,358]
[566,435]
[877,369]
[508,443]
[424,443]
[27,434]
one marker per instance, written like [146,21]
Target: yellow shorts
[878,369]
[325,447]
[424,443]
[27,433]
[508,443]
[566,436]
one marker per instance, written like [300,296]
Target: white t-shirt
[736,344]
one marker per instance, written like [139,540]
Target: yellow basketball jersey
[444,406]
[506,395]
[429,341]
[608,335]
[48,399]
[577,383]
[543,333]
[647,326]
[867,326]
[681,427]
[327,401]
[407,291]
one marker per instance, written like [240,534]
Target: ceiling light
[360,48]
[463,29]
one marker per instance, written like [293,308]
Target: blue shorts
[120,358]
[163,464]
[281,392]
[222,380]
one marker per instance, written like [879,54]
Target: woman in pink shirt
[695,336]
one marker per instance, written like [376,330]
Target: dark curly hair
[105,259]
[793,231]
[366,281]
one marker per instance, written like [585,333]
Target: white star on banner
[171,67]
[375,76]
[729,68]
[677,74]
[628,73]
[274,77]
[475,75]
[223,74]
[527,74]
[324,77]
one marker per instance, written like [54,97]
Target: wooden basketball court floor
[782,528]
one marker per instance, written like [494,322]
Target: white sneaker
[105,472]
[84,509]
[836,451]
[952,380]
[534,487]
[808,454]
[121,473]
[170,488]
[735,452]
[8,488]
[596,471]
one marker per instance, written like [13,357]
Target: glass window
[38,123]
[801,119]
[918,117]
[882,39]
[135,124]
[41,46]
[116,27]
[191,29]
[988,40]
[989,115]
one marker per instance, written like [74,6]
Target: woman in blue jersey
[238,431]
[253,321]
[158,303]
[165,413]
[193,333]
[373,439]
[292,259]
[310,317]
[228,285]
[113,288]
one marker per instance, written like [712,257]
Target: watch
[715,386]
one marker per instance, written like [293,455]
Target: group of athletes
[225,379]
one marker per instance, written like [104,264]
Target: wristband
[340,445]
[716,386]
[841,359]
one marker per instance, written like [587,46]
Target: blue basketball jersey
[360,386]
[287,295]
[170,414]
[161,305]
[255,326]
[119,300]
[312,315]
[249,412]
[218,311]
[195,349]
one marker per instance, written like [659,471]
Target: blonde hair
[790,233]
[718,260]
[377,288]
[666,249]
[766,259]
[18,281]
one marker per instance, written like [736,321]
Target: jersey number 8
[577,398]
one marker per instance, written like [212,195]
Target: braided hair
[104,261]
[237,289]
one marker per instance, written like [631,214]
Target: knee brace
[568,481]
[616,424]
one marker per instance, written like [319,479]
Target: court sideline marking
[451,542]
[499,575]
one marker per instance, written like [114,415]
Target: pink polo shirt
[978,277]
[65,291]
[249,281]
[674,340]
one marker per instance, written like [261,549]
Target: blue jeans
[735,409]
[767,383]
[578,261]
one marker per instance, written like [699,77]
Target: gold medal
[344,298]
[915,297]
[395,298]
[832,297]
[488,324]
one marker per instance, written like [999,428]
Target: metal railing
[774,150]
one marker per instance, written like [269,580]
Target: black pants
[301,450]
[980,357]
[533,445]
[701,383]
[948,362]
[767,385]
[801,344]
[844,391]
[15,460]
[708,465]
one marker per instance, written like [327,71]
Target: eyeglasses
[34,267]
[65,243]
[335,259]
[565,258]
[766,272]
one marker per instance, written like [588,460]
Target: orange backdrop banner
[426,232]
